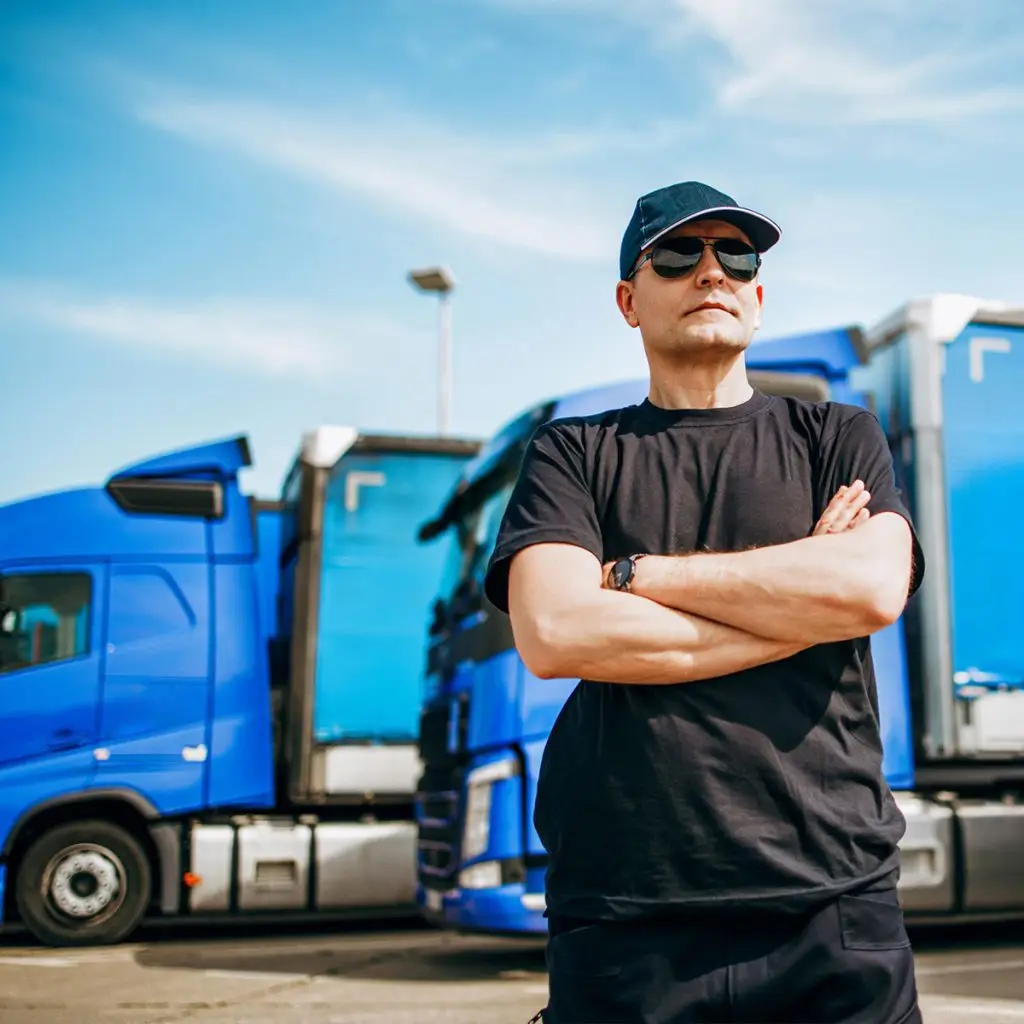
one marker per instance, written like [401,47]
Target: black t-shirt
[762,789]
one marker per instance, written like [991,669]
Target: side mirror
[439,618]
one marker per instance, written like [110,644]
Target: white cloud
[243,335]
[501,190]
[819,60]
[827,61]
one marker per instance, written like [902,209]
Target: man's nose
[709,270]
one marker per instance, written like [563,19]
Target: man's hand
[846,511]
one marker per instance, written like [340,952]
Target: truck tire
[86,883]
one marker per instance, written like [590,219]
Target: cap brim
[762,231]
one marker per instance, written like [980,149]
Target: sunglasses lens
[678,260]
[737,259]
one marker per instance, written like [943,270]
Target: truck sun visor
[195,498]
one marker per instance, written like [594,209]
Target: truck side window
[44,617]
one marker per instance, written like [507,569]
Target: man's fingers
[853,507]
[846,495]
[843,497]
[844,510]
[848,512]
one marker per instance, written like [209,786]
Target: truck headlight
[476,830]
[485,874]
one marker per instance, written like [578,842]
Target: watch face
[622,572]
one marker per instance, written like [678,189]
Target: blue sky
[208,211]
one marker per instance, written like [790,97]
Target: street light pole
[444,364]
[440,281]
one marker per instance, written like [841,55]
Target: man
[710,563]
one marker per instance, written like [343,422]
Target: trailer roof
[942,317]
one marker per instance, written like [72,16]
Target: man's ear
[624,300]
[760,305]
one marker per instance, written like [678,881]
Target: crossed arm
[706,615]
[816,590]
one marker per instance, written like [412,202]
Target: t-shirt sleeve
[859,451]
[551,502]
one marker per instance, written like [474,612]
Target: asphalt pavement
[395,975]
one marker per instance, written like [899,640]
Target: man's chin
[710,340]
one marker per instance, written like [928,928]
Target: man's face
[702,316]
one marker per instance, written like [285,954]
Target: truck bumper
[507,908]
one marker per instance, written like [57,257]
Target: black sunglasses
[676,257]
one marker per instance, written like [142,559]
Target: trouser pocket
[872,921]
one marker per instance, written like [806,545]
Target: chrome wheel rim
[85,883]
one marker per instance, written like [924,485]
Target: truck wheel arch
[125,807]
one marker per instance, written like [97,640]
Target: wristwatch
[620,576]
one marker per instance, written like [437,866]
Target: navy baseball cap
[667,208]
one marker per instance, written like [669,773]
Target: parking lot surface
[394,975]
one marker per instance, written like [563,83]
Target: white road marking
[72,958]
[272,976]
[989,1009]
[37,961]
[975,967]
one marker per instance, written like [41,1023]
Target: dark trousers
[847,963]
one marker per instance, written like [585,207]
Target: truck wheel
[87,883]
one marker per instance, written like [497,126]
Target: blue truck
[943,375]
[211,702]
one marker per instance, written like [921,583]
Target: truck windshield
[472,518]
[461,544]
[478,530]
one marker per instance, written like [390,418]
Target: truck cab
[486,718]
[211,701]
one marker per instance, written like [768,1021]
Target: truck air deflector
[217,458]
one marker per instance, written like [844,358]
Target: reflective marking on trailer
[360,478]
[977,349]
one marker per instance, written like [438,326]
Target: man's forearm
[625,638]
[814,590]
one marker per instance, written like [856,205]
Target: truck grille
[439,819]
[443,738]
[433,739]
[444,729]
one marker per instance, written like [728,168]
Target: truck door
[156,687]
[50,653]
